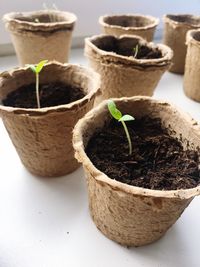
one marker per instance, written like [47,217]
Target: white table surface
[45,222]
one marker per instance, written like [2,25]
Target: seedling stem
[37,89]
[37,69]
[116,114]
[128,137]
[135,50]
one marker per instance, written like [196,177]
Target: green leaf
[127,118]
[116,113]
[32,67]
[40,66]
[135,50]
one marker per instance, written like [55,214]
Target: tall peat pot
[175,29]
[191,81]
[39,35]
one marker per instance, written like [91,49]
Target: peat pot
[43,136]
[192,69]
[127,214]
[40,35]
[175,29]
[133,24]
[123,74]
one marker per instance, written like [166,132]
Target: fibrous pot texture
[192,68]
[39,35]
[123,75]
[133,24]
[43,137]
[130,215]
[175,29]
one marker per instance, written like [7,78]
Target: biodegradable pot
[191,82]
[130,215]
[133,24]
[125,75]
[175,29]
[50,38]
[43,137]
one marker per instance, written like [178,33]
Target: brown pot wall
[122,75]
[133,24]
[175,29]
[34,42]
[129,215]
[191,81]
[43,137]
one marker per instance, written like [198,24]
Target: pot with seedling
[41,34]
[128,65]
[133,24]
[175,29]
[142,173]
[40,104]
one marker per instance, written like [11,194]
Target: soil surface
[42,18]
[144,52]
[157,162]
[52,94]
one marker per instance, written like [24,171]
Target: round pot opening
[133,21]
[196,36]
[185,19]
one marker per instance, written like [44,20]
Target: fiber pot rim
[59,108]
[102,178]
[168,19]
[149,26]
[190,37]
[13,23]
[112,56]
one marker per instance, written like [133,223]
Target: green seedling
[116,114]
[135,50]
[37,69]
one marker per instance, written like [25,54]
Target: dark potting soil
[52,94]
[158,161]
[40,18]
[144,52]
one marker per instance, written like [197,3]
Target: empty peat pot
[191,82]
[175,29]
[39,35]
[43,136]
[133,215]
[133,24]
[123,73]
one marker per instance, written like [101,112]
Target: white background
[88,11]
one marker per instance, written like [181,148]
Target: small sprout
[116,114]
[135,50]
[54,6]
[51,16]
[37,69]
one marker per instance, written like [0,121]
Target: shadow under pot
[175,29]
[133,24]
[135,198]
[128,65]
[191,82]
[43,136]
[39,35]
